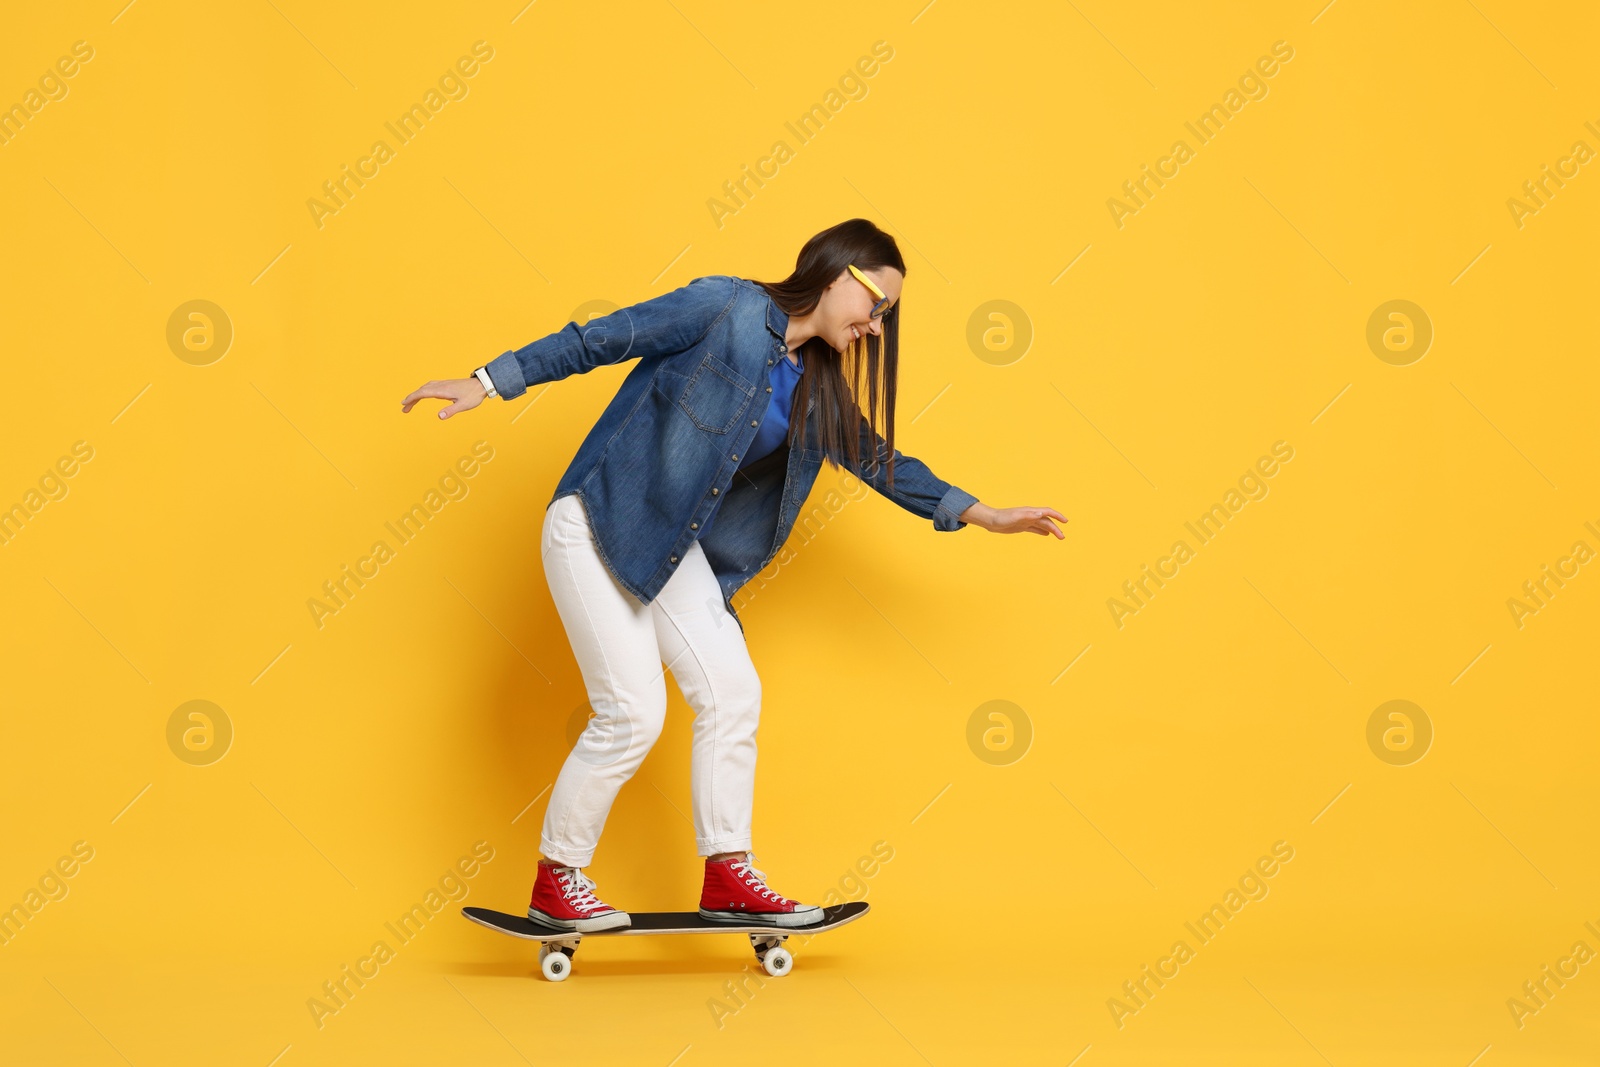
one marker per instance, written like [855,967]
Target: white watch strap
[482,374]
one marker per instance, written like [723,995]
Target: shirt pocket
[716,395]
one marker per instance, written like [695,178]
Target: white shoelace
[578,889]
[757,879]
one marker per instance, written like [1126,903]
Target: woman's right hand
[464,394]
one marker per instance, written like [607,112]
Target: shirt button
[736,455]
[753,421]
[694,526]
[713,490]
[769,388]
[674,559]
[783,348]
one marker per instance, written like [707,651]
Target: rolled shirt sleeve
[661,326]
[916,488]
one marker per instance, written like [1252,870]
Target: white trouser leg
[619,644]
[613,637]
[705,649]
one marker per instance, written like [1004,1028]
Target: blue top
[774,424]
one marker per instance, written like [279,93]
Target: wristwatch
[482,374]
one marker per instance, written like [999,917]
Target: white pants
[620,644]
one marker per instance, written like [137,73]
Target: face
[846,305]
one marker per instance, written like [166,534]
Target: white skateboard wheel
[554,963]
[777,962]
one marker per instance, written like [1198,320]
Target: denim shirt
[666,452]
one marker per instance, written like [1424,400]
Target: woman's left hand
[1015,520]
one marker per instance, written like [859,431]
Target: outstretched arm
[659,326]
[916,488]
[925,494]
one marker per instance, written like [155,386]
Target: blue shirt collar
[777,321]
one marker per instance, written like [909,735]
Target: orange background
[1129,375]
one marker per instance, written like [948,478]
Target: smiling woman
[742,391]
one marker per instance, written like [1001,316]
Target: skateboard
[557,946]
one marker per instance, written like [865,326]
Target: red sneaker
[564,898]
[736,892]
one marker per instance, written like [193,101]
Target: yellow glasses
[883,302]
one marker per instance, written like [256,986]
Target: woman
[684,490]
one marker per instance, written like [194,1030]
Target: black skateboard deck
[557,946]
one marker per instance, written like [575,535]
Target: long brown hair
[835,377]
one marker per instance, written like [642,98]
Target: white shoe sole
[805,916]
[611,920]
